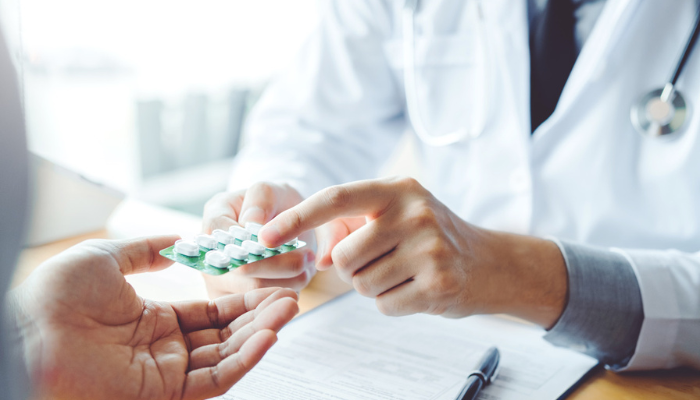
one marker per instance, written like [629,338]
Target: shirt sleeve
[604,312]
[669,282]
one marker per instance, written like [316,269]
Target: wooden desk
[665,385]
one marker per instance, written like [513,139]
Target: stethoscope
[660,112]
[665,111]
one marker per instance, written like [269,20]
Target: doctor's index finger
[361,198]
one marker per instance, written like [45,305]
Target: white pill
[239,233]
[206,241]
[253,228]
[187,248]
[253,247]
[217,259]
[223,237]
[292,242]
[236,252]
[278,248]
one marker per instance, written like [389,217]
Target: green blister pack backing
[199,264]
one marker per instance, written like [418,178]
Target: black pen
[482,376]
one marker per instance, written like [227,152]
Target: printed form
[347,350]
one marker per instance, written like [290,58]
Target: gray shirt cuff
[604,311]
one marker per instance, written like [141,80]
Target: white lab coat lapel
[592,59]
[508,30]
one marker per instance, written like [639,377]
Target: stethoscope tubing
[668,92]
[677,110]
[689,46]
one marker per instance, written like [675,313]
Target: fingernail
[270,235]
[253,214]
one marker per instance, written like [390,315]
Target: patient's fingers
[250,316]
[216,380]
[197,339]
[273,317]
[204,337]
[218,313]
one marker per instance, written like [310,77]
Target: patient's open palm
[91,336]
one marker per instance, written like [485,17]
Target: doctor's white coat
[585,175]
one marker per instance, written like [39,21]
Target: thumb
[135,256]
[259,203]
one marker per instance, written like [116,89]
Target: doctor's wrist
[534,278]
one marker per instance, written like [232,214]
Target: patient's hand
[88,335]
[259,203]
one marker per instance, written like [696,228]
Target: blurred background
[135,110]
[142,95]
[140,105]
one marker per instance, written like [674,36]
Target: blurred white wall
[84,64]
[191,42]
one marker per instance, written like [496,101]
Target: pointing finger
[362,198]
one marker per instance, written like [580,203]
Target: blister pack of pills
[223,251]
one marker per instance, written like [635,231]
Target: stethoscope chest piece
[664,112]
[654,116]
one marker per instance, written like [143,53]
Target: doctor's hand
[88,335]
[414,255]
[259,203]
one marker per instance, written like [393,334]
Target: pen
[482,376]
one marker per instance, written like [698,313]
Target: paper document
[347,350]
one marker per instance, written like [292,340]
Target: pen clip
[486,380]
[479,375]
